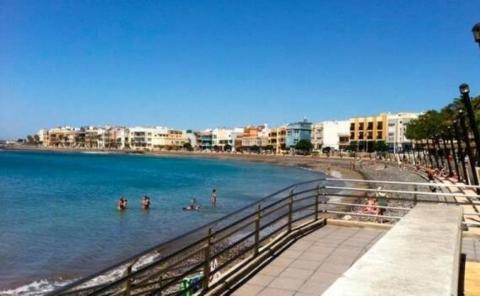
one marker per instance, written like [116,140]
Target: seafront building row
[358,133]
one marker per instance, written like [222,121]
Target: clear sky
[198,64]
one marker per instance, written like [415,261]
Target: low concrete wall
[419,256]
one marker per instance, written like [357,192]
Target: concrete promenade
[420,255]
[313,263]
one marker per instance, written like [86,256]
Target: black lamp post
[461,152]
[471,156]
[465,92]
[476,33]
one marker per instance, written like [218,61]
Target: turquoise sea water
[58,217]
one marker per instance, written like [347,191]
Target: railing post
[206,266]
[257,230]
[128,283]
[317,197]
[415,188]
[160,289]
[290,211]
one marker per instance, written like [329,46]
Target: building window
[380,125]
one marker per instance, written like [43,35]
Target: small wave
[43,286]
[35,288]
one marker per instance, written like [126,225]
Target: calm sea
[58,217]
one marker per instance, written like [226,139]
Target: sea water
[58,216]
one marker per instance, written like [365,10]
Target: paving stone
[261,279]
[276,292]
[274,270]
[313,287]
[296,273]
[305,264]
[286,283]
[291,254]
[333,268]
[321,277]
[281,261]
[248,290]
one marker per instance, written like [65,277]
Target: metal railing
[206,255]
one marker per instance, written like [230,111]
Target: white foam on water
[40,287]
[35,288]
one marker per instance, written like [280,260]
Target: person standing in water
[146,202]
[213,198]
[121,205]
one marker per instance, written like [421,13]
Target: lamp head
[464,89]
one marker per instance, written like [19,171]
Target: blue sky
[199,64]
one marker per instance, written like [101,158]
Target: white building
[330,134]
[222,137]
[140,138]
[397,125]
[191,137]
[43,136]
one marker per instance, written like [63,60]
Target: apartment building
[397,125]
[116,138]
[62,137]
[331,134]
[222,137]
[205,140]
[297,131]
[277,138]
[254,136]
[369,129]
[43,137]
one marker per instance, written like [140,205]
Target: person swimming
[194,206]
[146,202]
[121,204]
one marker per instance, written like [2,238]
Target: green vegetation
[188,147]
[438,124]
[304,146]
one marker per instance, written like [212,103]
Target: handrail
[403,183]
[400,191]
[267,221]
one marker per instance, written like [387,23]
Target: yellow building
[276,138]
[369,129]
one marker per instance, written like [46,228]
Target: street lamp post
[471,156]
[465,92]
[461,153]
[476,33]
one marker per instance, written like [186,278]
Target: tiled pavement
[312,264]
[471,247]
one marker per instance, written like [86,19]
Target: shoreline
[330,166]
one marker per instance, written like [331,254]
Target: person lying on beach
[146,202]
[122,204]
